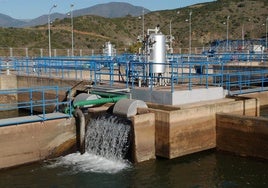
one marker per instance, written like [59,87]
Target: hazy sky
[28,9]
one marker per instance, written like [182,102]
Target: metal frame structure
[133,70]
[241,46]
[236,75]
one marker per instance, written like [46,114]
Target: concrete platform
[34,118]
[181,94]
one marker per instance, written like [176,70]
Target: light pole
[190,33]
[227,33]
[72,26]
[142,24]
[266,30]
[48,22]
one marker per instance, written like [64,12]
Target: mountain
[108,10]
[112,10]
[42,20]
[7,21]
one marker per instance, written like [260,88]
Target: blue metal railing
[201,70]
[35,99]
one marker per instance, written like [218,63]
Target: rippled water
[205,169]
[87,162]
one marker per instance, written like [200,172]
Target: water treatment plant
[135,107]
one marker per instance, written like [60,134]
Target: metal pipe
[81,126]
[106,94]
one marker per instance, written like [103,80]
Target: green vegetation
[91,32]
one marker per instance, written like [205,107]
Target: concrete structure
[181,95]
[8,82]
[32,81]
[144,137]
[27,143]
[261,96]
[190,129]
[246,136]
[185,126]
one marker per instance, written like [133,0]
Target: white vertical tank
[157,52]
[109,49]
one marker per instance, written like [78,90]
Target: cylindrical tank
[157,53]
[109,49]
[128,107]
[85,97]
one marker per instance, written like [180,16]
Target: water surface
[205,169]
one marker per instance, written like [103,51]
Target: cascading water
[108,136]
[107,146]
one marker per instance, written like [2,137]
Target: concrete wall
[179,96]
[246,136]
[185,131]
[32,81]
[144,137]
[26,143]
[8,82]
[261,96]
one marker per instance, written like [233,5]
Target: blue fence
[133,70]
[39,102]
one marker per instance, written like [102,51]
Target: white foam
[88,163]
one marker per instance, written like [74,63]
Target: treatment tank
[157,53]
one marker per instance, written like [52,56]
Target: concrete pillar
[41,52]
[11,52]
[144,137]
[26,52]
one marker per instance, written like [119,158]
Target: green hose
[99,101]
[113,99]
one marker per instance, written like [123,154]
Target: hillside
[91,32]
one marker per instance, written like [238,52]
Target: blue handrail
[30,103]
[201,70]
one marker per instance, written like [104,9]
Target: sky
[29,9]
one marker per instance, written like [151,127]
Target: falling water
[108,136]
[107,145]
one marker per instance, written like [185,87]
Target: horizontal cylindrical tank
[128,107]
[157,53]
[85,97]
